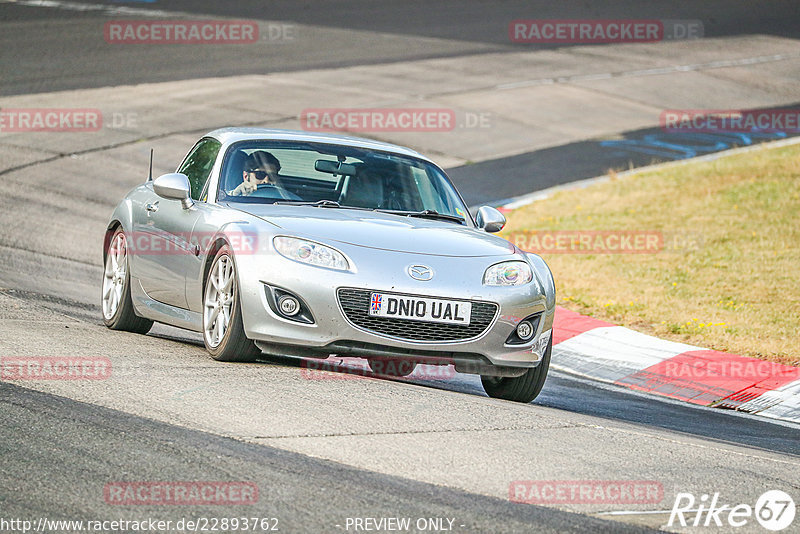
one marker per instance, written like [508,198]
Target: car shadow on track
[564,392]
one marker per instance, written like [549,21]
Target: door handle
[151,207]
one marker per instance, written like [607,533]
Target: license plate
[420,309]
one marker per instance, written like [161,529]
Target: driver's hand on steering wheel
[243,189]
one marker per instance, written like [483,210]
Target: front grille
[355,305]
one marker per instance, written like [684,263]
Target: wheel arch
[223,237]
[111,229]
[121,218]
[215,247]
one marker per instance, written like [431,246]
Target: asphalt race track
[323,448]
[303,493]
[65,52]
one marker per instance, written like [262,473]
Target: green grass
[728,277]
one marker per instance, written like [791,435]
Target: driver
[260,168]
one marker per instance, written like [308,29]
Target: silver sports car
[312,245]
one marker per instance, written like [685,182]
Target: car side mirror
[174,186]
[490,219]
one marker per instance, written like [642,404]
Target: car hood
[381,230]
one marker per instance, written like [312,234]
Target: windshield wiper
[428,214]
[425,214]
[318,204]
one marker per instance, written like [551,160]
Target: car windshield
[337,176]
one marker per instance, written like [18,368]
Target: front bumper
[385,271]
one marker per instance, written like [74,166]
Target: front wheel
[118,313]
[523,388]
[223,330]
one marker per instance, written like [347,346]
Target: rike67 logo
[774,510]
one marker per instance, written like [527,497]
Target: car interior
[312,177]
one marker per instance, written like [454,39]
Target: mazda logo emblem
[420,272]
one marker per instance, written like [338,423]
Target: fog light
[525,330]
[289,305]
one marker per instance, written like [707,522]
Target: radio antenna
[150,176]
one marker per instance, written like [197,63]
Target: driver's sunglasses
[260,175]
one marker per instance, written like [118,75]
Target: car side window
[198,164]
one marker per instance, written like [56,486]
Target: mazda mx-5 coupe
[290,243]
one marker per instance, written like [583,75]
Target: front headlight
[508,273]
[310,252]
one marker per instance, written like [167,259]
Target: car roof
[233,135]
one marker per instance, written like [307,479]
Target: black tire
[523,388]
[235,346]
[124,318]
[391,367]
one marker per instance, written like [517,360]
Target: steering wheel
[393,202]
[275,191]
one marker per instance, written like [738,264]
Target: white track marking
[614,352]
[98,8]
